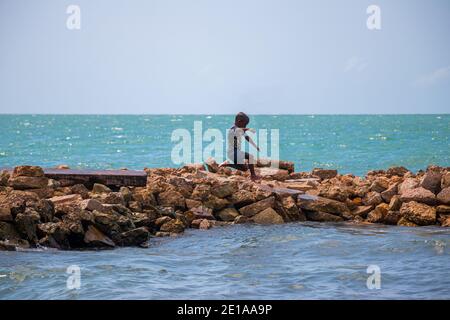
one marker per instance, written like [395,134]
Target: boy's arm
[250,140]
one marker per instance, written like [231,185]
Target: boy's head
[241,120]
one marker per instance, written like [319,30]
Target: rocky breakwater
[37,211]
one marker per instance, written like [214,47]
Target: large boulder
[5,214]
[46,210]
[390,192]
[378,214]
[287,207]
[444,196]
[243,197]
[224,189]
[324,173]
[18,200]
[111,223]
[397,171]
[227,214]
[57,231]
[25,182]
[173,226]
[171,198]
[26,224]
[419,195]
[334,192]
[212,165]
[201,192]
[4,177]
[134,237]
[407,184]
[200,212]
[254,208]
[380,184]
[68,199]
[95,238]
[395,203]
[182,185]
[418,213]
[268,216]
[91,205]
[28,171]
[372,198]
[361,211]
[406,223]
[273,173]
[216,203]
[100,188]
[322,216]
[445,181]
[392,217]
[8,231]
[432,181]
[145,198]
[314,203]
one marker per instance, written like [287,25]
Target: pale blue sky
[223,56]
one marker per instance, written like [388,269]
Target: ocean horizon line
[223,114]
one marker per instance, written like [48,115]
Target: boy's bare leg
[253,175]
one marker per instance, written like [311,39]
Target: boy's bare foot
[255,178]
[224,164]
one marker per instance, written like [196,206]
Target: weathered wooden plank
[136,178]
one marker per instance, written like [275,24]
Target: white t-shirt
[235,135]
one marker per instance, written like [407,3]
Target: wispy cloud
[434,77]
[356,64]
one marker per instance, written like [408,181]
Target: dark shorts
[238,164]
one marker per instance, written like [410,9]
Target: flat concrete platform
[137,178]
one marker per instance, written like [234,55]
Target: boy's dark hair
[242,117]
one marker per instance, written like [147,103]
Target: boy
[234,152]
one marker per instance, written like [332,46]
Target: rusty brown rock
[407,184]
[419,195]
[418,213]
[445,181]
[227,214]
[390,192]
[100,188]
[26,182]
[212,165]
[171,198]
[254,208]
[26,224]
[5,214]
[173,226]
[432,181]
[322,216]
[395,203]
[324,173]
[313,203]
[372,198]
[95,238]
[268,216]
[392,217]
[444,196]
[406,223]
[397,171]
[28,171]
[380,184]
[361,211]
[242,198]
[377,215]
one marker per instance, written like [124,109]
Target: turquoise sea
[351,144]
[290,261]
